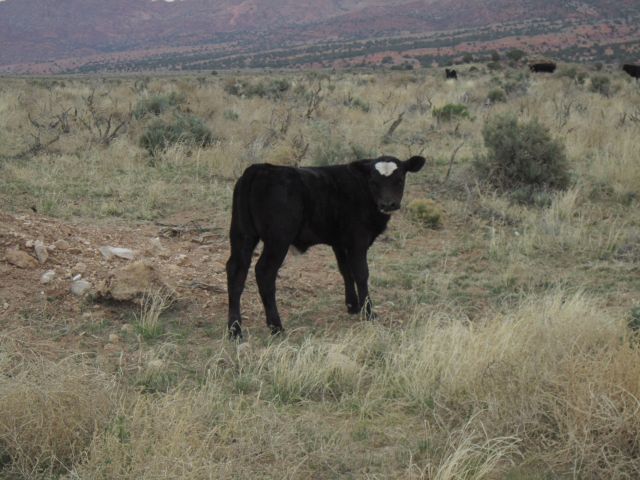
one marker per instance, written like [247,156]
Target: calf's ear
[414,164]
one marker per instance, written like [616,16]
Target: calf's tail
[241,218]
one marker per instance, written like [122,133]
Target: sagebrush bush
[273,89]
[425,212]
[187,129]
[449,112]
[157,104]
[601,84]
[522,156]
[497,96]
[357,103]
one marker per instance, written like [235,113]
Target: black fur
[543,67]
[633,70]
[450,73]
[344,206]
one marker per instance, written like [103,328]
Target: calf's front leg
[360,269]
[350,296]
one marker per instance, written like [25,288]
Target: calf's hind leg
[237,268]
[273,254]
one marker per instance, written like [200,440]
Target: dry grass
[49,410]
[504,353]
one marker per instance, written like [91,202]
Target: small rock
[61,244]
[77,277]
[47,276]
[113,338]
[29,244]
[132,282]
[21,259]
[5,305]
[127,328]
[109,252]
[79,268]
[80,287]
[41,251]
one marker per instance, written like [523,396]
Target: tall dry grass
[507,355]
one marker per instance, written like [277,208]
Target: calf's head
[385,177]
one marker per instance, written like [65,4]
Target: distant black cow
[546,67]
[450,73]
[344,206]
[633,70]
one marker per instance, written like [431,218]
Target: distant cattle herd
[550,67]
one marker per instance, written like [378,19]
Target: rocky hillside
[87,35]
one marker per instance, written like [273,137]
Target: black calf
[344,206]
[450,73]
[543,67]
[633,70]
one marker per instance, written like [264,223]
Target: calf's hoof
[235,332]
[276,329]
[352,309]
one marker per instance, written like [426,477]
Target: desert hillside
[124,35]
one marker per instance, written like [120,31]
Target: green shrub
[190,130]
[357,103]
[634,319]
[449,112]
[572,72]
[601,84]
[497,95]
[425,212]
[230,115]
[157,104]
[515,55]
[273,90]
[522,157]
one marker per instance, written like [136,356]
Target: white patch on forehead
[386,168]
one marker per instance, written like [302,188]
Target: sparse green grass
[507,346]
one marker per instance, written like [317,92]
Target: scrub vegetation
[507,288]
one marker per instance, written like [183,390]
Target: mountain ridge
[36,34]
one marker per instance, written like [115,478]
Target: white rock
[80,287]
[109,252]
[41,251]
[113,338]
[77,277]
[47,276]
[29,244]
